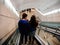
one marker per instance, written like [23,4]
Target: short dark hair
[24,15]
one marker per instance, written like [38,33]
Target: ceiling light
[10,6]
[48,13]
[51,12]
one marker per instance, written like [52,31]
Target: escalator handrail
[6,34]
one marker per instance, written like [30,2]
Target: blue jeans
[22,37]
[31,35]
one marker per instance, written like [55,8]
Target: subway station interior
[47,13]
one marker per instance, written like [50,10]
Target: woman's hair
[24,15]
[33,21]
[33,18]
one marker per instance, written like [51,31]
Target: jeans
[31,36]
[22,37]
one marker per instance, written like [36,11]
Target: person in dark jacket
[33,23]
[23,26]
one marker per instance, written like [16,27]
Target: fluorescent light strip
[54,11]
[48,13]
[9,5]
[39,11]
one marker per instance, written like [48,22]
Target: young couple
[27,28]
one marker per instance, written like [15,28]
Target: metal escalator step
[34,43]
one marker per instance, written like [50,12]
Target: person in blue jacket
[24,28]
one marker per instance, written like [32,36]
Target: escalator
[45,35]
[14,40]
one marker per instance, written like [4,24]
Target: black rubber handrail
[50,27]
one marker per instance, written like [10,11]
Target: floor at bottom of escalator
[30,43]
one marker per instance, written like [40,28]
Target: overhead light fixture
[51,12]
[39,11]
[48,13]
[10,6]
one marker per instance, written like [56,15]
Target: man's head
[24,16]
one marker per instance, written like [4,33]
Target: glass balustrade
[49,33]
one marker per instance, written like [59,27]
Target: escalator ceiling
[42,5]
[1,1]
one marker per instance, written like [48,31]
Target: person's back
[23,26]
[33,24]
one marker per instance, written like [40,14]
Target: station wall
[8,22]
